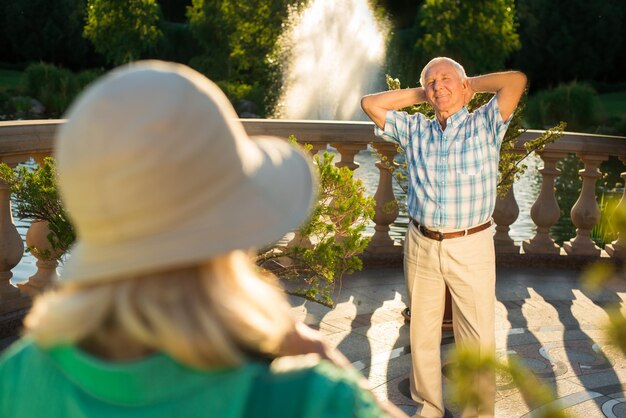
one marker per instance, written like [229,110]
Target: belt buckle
[439,236]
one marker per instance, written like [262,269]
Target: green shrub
[84,78]
[577,104]
[36,197]
[56,87]
[332,240]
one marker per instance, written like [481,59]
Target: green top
[67,382]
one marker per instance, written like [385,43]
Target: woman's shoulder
[22,349]
[307,385]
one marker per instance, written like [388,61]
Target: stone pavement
[543,317]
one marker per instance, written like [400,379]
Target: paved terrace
[543,316]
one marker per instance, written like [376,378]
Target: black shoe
[406,314]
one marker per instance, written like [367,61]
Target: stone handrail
[22,140]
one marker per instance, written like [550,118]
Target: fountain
[333,53]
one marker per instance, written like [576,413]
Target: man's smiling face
[444,88]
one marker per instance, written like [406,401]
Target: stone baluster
[348,152]
[618,247]
[385,210]
[317,147]
[505,214]
[545,211]
[41,249]
[11,250]
[586,212]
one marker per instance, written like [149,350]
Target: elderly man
[452,165]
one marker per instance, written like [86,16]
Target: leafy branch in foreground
[468,368]
[35,194]
[328,246]
[598,276]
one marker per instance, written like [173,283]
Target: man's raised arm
[376,105]
[508,86]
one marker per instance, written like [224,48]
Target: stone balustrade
[22,140]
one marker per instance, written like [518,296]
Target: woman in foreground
[160,311]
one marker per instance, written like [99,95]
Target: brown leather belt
[440,236]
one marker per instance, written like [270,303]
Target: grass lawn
[9,79]
[614,103]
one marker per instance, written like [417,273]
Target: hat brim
[274,198]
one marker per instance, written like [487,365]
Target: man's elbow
[520,79]
[373,110]
[366,104]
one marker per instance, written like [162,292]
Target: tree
[237,38]
[569,40]
[174,10]
[40,30]
[123,30]
[401,12]
[480,34]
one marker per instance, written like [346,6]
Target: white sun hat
[156,172]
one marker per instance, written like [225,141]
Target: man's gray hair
[457,67]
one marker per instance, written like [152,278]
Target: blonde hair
[209,315]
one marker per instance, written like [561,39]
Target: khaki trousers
[467,266]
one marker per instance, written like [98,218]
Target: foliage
[36,198]
[510,165]
[614,106]
[603,233]
[576,103]
[480,34]
[178,43]
[328,246]
[568,40]
[599,275]
[468,31]
[56,87]
[237,38]
[616,328]
[9,79]
[468,367]
[123,30]
[41,30]
[174,10]
[400,12]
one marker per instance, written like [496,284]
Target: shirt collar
[458,117]
[153,379]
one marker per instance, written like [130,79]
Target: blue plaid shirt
[452,174]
